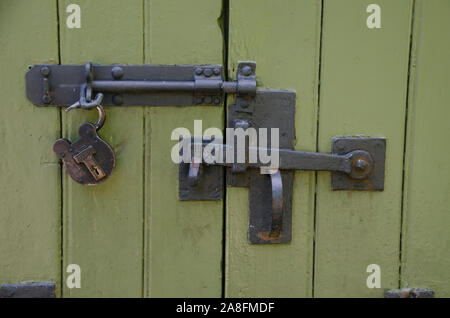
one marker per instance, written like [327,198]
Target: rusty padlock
[89,160]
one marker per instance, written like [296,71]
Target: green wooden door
[132,237]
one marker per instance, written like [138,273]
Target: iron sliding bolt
[137,85]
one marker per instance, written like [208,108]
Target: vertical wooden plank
[30,182]
[426,243]
[184,239]
[283,40]
[103,225]
[363,92]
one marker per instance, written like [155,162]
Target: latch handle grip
[277,204]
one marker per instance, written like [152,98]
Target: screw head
[208,99]
[208,72]
[246,70]
[217,100]
[199,100]
[117,99]
[361,164]
[216,71]
[46,99]
[244,104]
[117,72]
[45,71]
[198,71]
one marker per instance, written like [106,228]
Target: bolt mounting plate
[377,149]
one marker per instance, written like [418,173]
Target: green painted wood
[103,225]
[183,239]
[132,237]
[363,92]
[426,243]
[284,41]
[30,174]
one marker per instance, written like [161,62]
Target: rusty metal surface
[28,290]
[89,160]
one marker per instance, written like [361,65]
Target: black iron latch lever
[353,169]
[356,164]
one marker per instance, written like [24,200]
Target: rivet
[244,104]
[208,72]
[199,100]
[216,71]
[46,99]
[117,99]
[62,154]
[208,99]
[117,72]
[198,71]
[70,149]
[45,71]
[246,70]
[361,164]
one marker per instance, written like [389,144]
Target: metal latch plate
[208,186]
[375,180]
[269,109]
